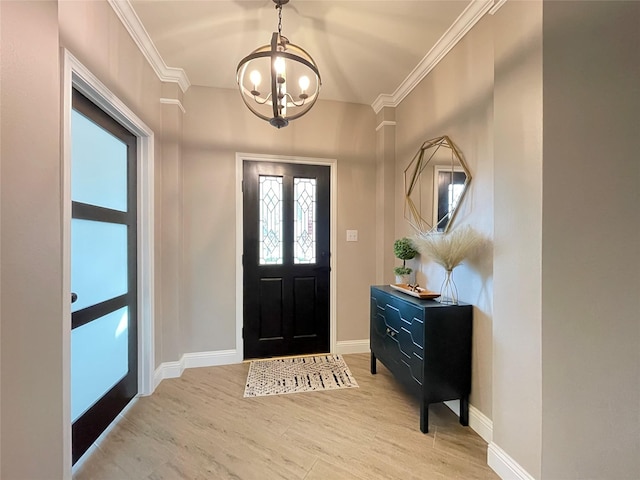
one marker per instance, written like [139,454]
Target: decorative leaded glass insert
[270,220]
[304,228]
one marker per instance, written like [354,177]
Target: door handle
[74,297]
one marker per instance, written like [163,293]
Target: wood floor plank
[199,426]
[323,471]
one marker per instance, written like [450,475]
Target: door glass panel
[98,261]
[99,167]
[449,189]
[304,198]
[99,359]
[270,220]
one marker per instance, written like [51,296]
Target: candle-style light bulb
[304,83]
[279,65]
[255,78]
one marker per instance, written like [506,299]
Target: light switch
[352,235]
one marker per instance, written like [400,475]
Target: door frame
[76,75]
[254,157]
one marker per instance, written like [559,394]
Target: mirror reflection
[435,182]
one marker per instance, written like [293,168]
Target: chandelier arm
[293,116]
[255,99]
[293,101]
[256,113]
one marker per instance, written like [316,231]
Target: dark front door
[104,358]
[286,259]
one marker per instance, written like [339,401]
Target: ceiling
[362,48]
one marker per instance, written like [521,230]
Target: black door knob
[74,297]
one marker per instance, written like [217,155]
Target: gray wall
[456,99]
[30,254]
[94,34]
[216,126]
[591,241]
[35,440]
[567,230]
[517,294]
[559,199]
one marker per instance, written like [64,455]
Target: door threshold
[248,360]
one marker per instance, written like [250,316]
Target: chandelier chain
[279,7]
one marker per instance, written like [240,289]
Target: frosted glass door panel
[99,167]
[99,359]
[98,261]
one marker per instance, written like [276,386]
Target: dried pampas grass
[449,249]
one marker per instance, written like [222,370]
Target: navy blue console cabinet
[425,345]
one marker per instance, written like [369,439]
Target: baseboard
[481,424]
[167,370]
[352,346]
[505,466]
[210,359]
[227,357]
[478,421]
[194,360]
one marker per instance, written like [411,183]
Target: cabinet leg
[464,411]
[424,417]
[373,364]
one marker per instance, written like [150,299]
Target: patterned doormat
[301,374]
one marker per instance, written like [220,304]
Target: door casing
[333,164]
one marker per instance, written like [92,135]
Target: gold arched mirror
[435,182]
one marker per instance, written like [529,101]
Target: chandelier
[279,82]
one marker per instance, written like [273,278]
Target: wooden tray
[419,293]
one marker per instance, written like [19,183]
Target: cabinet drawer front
[383,337]
[397,336]
[405,319]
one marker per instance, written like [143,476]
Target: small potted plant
[403,249]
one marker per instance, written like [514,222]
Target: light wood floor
[199,426]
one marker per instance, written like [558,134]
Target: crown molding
[173,101]
[132,23]
[384,100]
[496,6]
[467,19]
[386,123]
